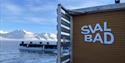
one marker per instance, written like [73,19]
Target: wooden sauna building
[91,35]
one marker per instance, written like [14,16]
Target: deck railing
[64,35]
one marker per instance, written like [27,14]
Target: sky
[38,15]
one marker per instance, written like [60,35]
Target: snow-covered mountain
[25,35]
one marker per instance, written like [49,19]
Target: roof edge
[110,7]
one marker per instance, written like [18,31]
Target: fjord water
[9,53]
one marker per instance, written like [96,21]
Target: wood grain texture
[95,52]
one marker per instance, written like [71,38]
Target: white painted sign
[87,31]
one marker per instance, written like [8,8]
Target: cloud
[87,4]
[73,4]
[41,5]
[29,20]
[44,8]
[31,11]
[38,20]
[1,31]
[9,8]
[25,13]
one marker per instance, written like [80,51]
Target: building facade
[92,35]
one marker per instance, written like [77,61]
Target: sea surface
[9,53]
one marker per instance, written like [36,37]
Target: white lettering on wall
[87,31]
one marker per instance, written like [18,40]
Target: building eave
[104,8]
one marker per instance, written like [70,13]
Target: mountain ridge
[21,34]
